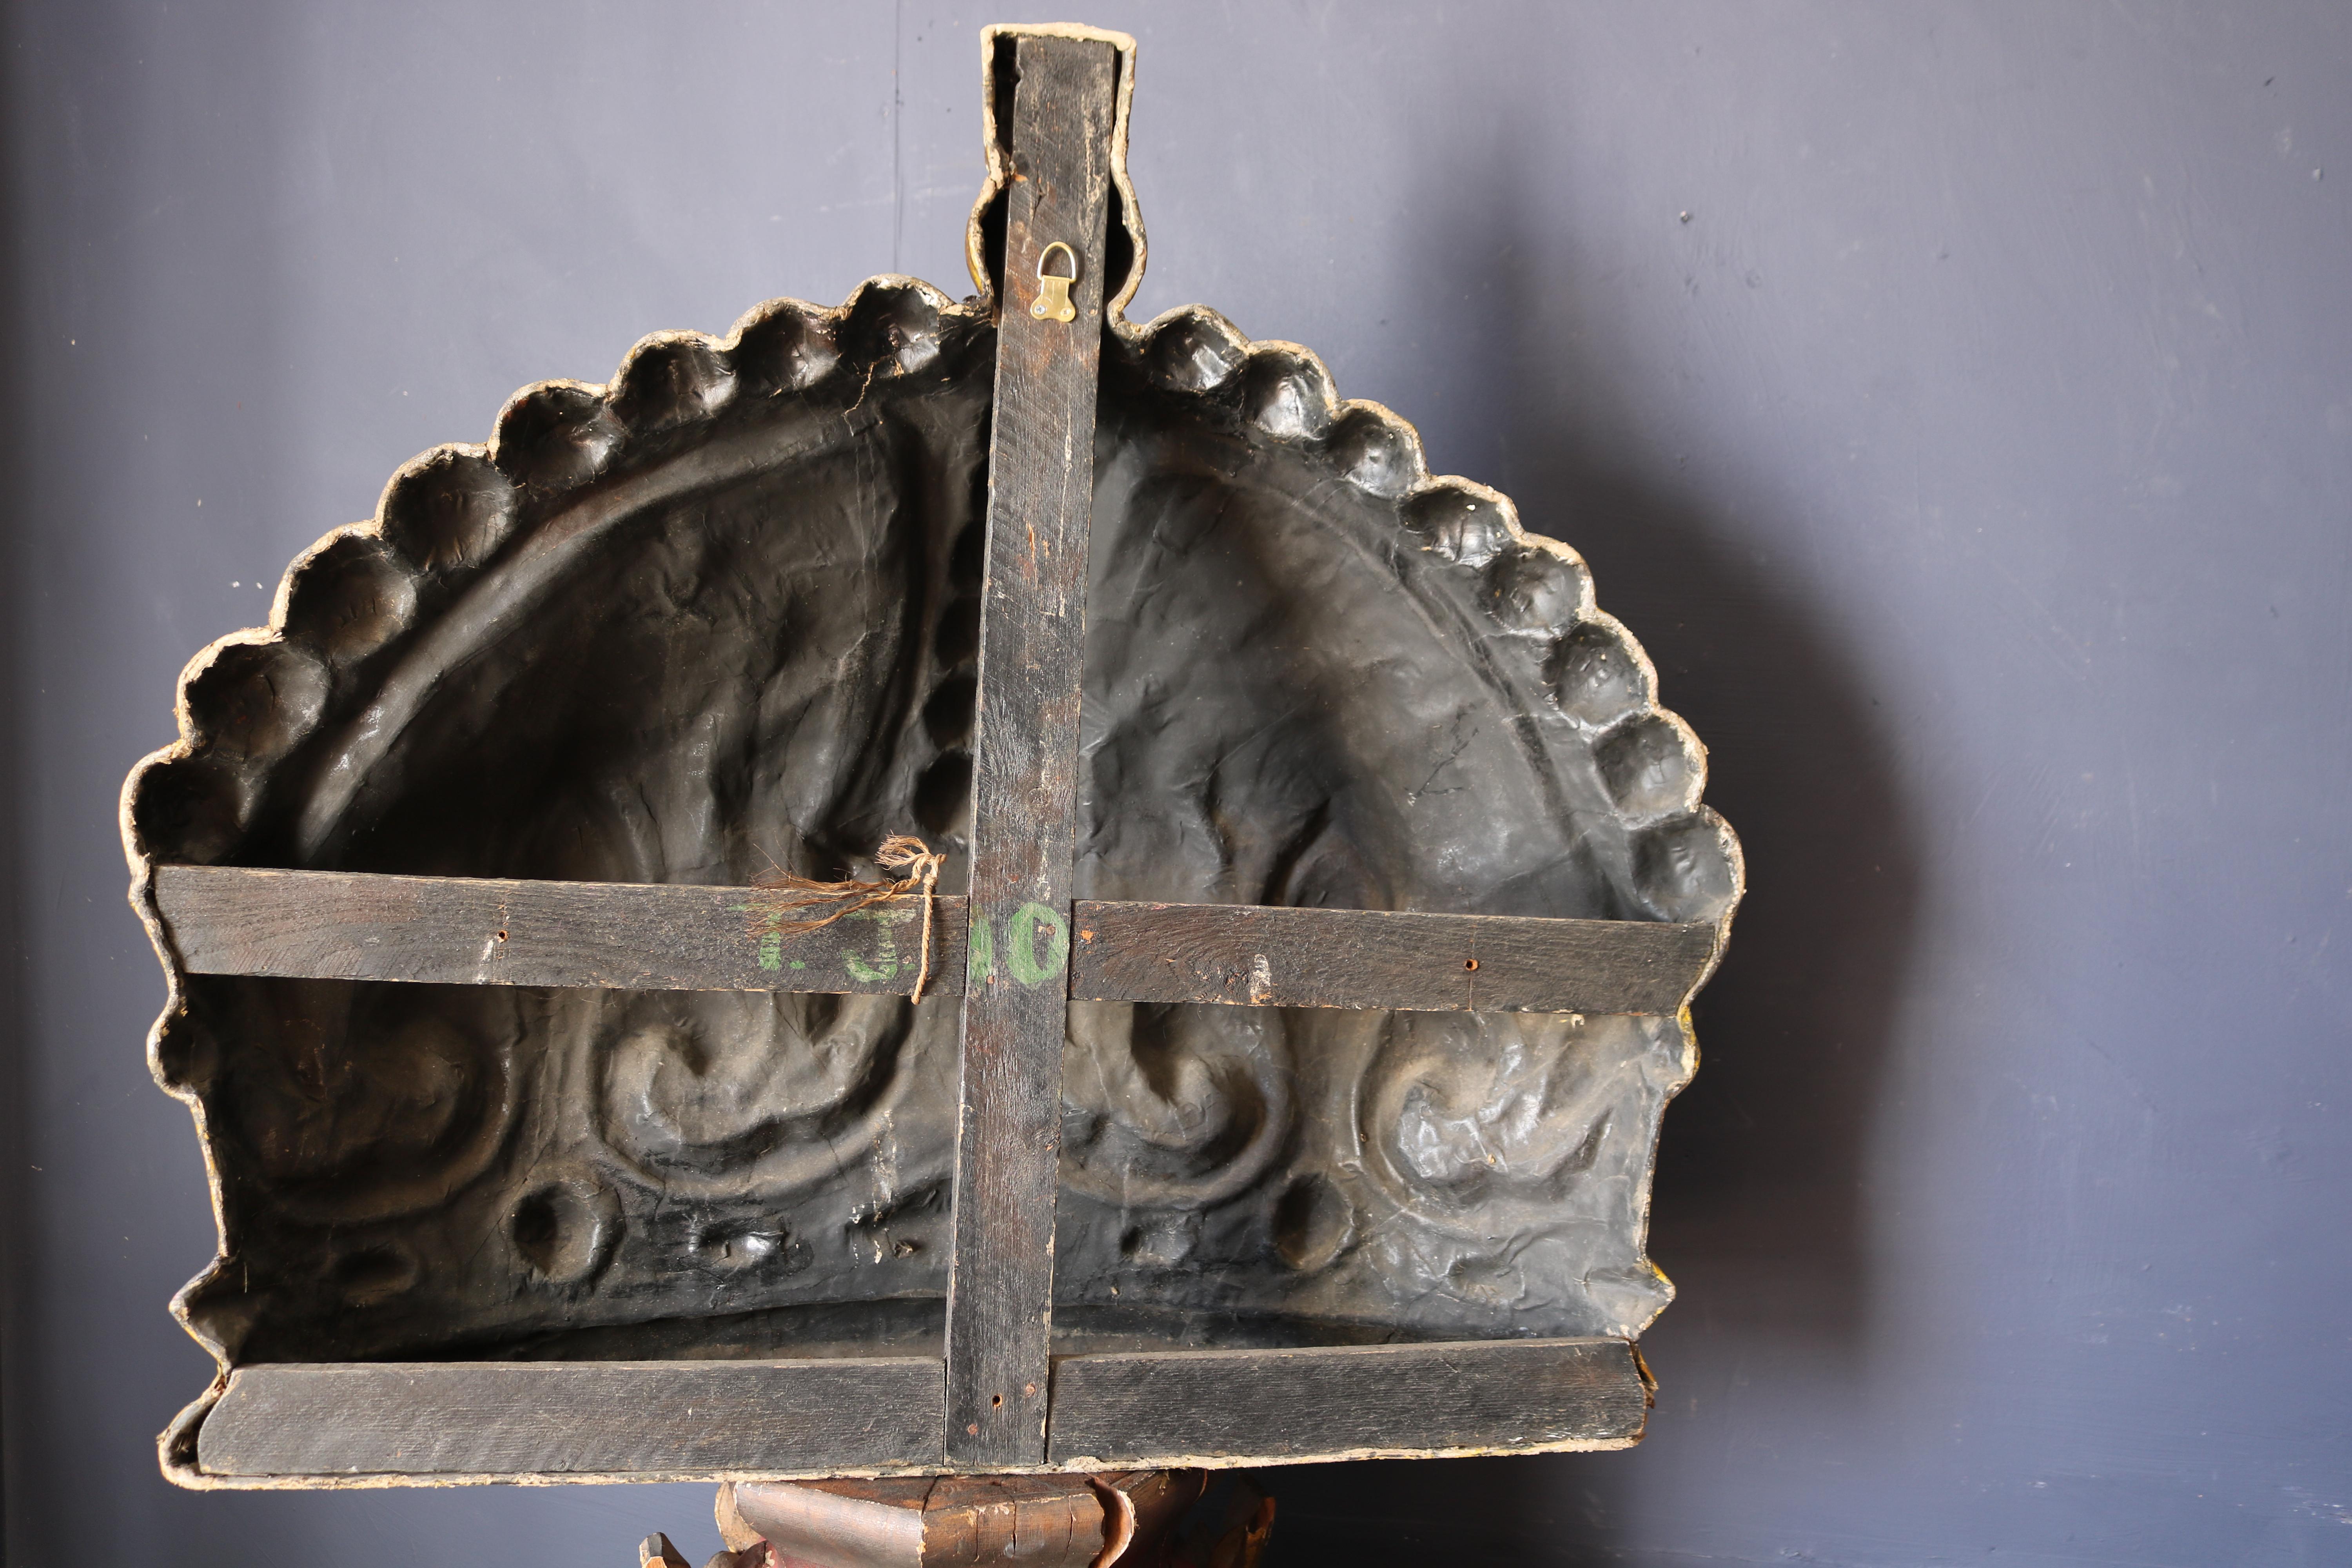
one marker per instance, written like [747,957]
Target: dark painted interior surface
[1957,401]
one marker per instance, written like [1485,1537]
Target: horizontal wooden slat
[1185,1407]
[339,925]
[1253,955]
[557,1418]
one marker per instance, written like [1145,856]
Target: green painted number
[886,947]
[1020,955]
[1037,947]
[981,967]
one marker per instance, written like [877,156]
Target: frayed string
[910,856]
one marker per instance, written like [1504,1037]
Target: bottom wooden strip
[556,1418]
[1176,1407]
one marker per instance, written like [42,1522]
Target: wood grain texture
[1251,955]
[1024,784]
[555,1418]
[335,925]
[1210,1407]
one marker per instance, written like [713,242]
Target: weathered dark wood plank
[1176,1407]
[337,925]
[334,925]
[1256,956]
[1025,785]
[555,1418]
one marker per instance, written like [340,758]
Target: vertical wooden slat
[1024,787]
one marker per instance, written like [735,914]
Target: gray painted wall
[1975,456]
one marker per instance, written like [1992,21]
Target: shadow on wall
[17,1228]
[1759,1207]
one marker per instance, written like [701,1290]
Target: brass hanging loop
[1053,293]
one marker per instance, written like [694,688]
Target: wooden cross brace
[1029,949]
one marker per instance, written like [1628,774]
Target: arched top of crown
[454,511]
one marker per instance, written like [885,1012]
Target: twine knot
[910,856]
